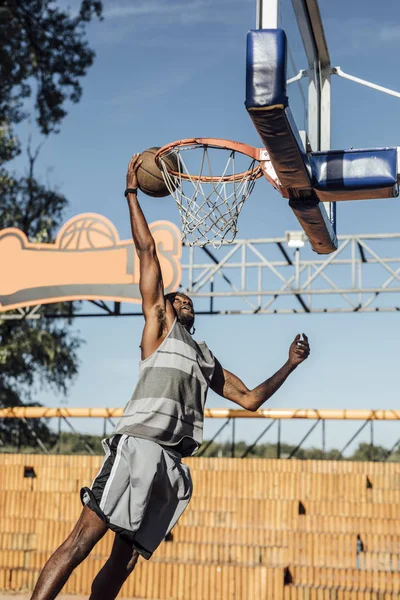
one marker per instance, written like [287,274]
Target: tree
[366,452]
[43,51]
[41,352]
[42,43]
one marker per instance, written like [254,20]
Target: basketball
[150,179]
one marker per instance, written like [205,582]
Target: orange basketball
[150,178]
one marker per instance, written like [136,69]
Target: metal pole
[371,445]
[267,14]
[19,436]
[104,427]
[323,439]
[278,448]
[35,436]
[202,451]
[59,436]
[233,438]
[264,431]
[374,86]
[390,452]
[299,445]
[340,455]
[88,448]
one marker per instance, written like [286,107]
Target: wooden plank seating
[180,581]
[256,528]
[351,579]
[303,592]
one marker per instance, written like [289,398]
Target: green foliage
[42,45]
[70,443]
[21,440]
[369,453]
[29,205]
[43,53]
[364,452]
[33,353]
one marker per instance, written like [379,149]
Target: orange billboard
[87,261]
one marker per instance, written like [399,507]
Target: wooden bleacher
[255,529]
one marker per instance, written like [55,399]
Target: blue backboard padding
[315,223]
[266,102]
[266,68]
[355,170]
[280,137]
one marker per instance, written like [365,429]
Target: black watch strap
[130,191]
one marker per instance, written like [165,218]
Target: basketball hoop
[210,204]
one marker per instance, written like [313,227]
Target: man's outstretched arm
[150,283]
[232,388]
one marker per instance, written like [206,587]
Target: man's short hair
[171,297]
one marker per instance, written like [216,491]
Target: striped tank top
[167,405]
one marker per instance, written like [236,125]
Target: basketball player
[142,487]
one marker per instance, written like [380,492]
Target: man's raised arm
[150,283]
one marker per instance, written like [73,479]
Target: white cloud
[389,33]
[124,8]
[178,11]
[152,91]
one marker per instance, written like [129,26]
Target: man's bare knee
[77,548]
[85,535]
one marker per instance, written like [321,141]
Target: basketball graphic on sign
[88,231]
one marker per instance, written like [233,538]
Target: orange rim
[253,153]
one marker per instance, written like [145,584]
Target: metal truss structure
[265,276]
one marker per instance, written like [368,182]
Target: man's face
[184,310]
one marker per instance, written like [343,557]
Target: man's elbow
[249,403]
[147,248]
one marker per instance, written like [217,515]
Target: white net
[209,204]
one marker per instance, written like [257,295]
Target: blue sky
[168,69]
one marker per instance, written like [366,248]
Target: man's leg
[117,569]
[86,533]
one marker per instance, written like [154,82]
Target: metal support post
[340,455]
[264,431]
[299,445]
[323,439]
[35,436]
[267,14]
[233,438]
[59,436]
[278,448]
[202,451]
[390,452]
[379,88]
[19,436]
[80,436]
[371,444]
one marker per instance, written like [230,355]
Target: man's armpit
[160,312]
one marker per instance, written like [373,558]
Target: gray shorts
[141,490]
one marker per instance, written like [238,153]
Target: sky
[171,69]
